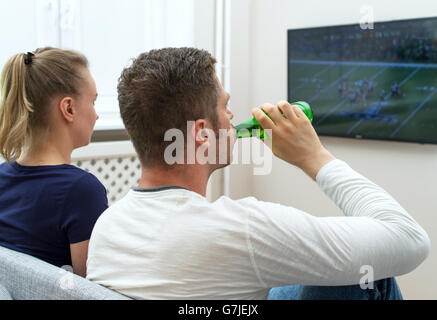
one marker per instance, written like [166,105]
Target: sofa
[23,277]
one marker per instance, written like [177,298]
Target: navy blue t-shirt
[44,209]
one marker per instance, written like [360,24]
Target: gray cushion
[28,278]
[4,294]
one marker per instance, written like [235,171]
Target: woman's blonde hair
[28,83]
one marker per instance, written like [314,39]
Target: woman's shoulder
[84,189]
[82,178]
[66,175]
[55,180]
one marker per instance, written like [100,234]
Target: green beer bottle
[252,128]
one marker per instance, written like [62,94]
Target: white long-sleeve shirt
[174,244]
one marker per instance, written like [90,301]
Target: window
[109,32]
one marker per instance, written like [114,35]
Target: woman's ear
[67,109]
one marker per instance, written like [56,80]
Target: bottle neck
[244,130]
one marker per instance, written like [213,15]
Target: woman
[47,206]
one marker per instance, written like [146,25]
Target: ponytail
[14,108]
[28,83]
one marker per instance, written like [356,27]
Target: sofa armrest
[4,294]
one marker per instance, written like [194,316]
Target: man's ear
[200,131]
[67,109]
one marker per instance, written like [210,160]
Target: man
[164,240]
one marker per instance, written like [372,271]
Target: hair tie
[28,59]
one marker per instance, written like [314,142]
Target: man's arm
[291,246]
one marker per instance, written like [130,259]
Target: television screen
[378,83]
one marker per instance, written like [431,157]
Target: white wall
[240,90]
[407,171]
[109,32]
[23,38]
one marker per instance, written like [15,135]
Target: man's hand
[294,138]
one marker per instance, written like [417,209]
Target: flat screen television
[378,83]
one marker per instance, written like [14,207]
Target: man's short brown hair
[162,90]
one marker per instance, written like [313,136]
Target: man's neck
[191,177]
